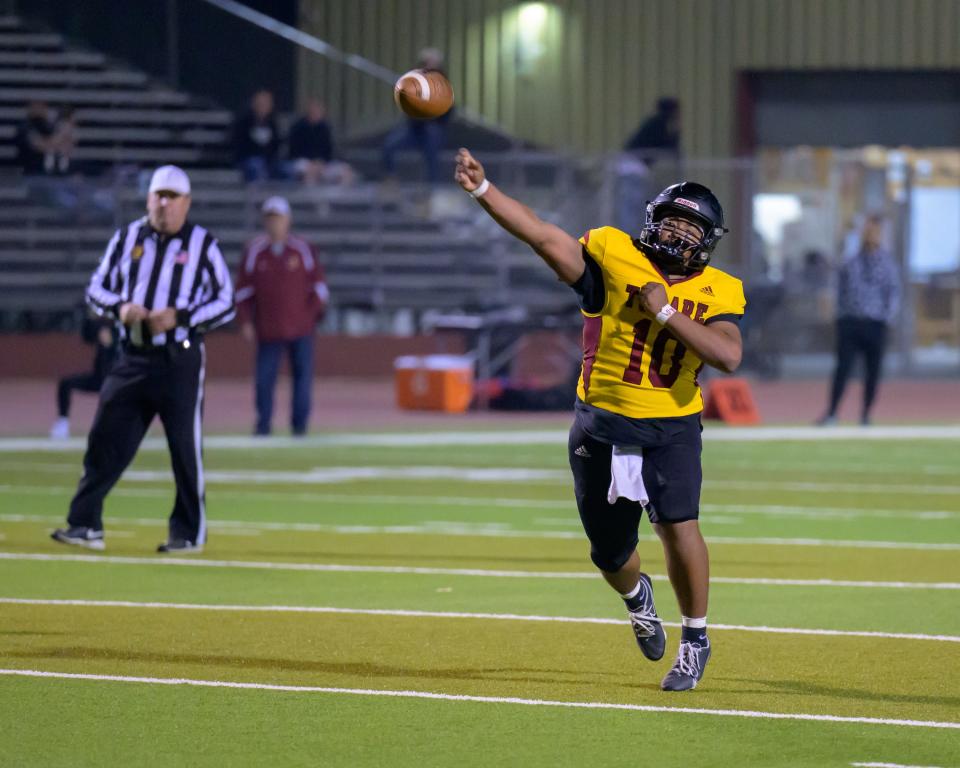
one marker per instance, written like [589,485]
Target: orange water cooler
[434,382]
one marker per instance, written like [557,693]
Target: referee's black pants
[858,336]
[165,382]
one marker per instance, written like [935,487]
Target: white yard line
[945,546]
[352,474]
[868,487]
[888,765]
[527,476]
[432,571]
[501,437]
[503,530]
[463,615]
[481,699]
[769,510]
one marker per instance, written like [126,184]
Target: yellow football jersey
[632,365]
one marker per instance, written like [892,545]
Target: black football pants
[165,382]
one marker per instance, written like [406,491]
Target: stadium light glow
[531,23]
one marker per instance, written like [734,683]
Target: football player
[654,313]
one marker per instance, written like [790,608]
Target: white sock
[633,592]
[700,623]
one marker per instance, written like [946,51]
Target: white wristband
[481,190]
[665,314]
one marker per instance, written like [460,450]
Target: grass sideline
[811,540]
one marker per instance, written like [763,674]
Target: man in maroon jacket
[280,295]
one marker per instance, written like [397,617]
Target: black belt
[160,350]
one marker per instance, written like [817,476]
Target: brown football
[423,94]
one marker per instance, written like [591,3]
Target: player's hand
[131,313]
[105,336]
[161,320]
[653,297]
[469,173]
[246,330]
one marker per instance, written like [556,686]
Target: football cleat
[180,547]
[647,626]
[688,669]
[79,536]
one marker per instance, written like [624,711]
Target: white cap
[276,204]
[170,178]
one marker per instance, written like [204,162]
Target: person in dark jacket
[311,149]
[660,131]
[35,140]
[256,139]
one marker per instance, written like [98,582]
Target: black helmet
[688,200]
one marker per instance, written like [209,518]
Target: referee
[165,281]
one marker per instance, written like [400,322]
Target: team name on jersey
[695,310]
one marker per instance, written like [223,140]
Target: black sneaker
[180,547]
[687,670]
[79,536]
[647,626]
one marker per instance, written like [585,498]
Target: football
[423,94]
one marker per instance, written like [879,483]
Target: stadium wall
[584,73]
[51,355]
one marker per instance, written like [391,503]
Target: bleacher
[381,256]
[383,250]
[122,116]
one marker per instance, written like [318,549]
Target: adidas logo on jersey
[707,290]
[583,453]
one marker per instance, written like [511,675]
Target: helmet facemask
[677,249]
[668,237]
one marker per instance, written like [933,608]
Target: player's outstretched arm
[561,252]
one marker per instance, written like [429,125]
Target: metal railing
[413,248]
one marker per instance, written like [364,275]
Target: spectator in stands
[868,300]
[311,149]
[35,140]
[104,338]
[660,131]
[257,139]
[426,135]
[659,134]
[63,141]
[281,293]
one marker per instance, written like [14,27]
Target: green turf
[893,492]
[188,727]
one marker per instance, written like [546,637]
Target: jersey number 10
[634,374]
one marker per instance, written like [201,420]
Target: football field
[427,600]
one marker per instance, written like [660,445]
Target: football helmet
[690,201]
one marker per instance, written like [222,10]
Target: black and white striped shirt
[185,271]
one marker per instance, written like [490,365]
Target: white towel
[626,476]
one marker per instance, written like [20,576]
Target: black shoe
[687,670]
[180,547]
[79,536]
[647,626]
